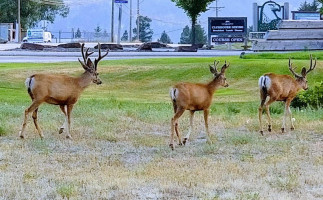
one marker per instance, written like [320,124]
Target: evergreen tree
[78,33]
[201,37]
[321,9]
[125,36]
[97,31]
[105,34]
[145,32]
[193,8]
[186,35]
[164,38]
[314,6]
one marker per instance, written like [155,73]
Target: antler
[215,64]
[292,70]
[311,64]
[225,66]
[96,61]
[85,58]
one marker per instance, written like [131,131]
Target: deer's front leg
[68,118]
[64,110]
[286,112]
[206,115]
[290,114]
[191,127]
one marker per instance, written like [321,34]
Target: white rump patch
[264,82]
[173,92]
[30,83]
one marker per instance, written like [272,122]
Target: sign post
[227,29]
[119,18]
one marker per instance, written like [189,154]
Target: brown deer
[281,88]
[60,90]
[195,97]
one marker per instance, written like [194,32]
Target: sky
[88,14]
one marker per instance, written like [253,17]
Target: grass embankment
[121,135]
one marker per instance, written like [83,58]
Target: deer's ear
[212,70]
[304,72]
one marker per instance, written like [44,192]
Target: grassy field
[121,133]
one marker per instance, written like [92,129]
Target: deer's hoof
[292,128]
[262,133]
[69,137]
[61,130]
[283,130]
[171,146]
[185,140]
[269,128]
[22,137]
[180,144]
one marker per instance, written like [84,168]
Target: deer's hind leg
[260,109]
[30,109]
[64,110]
[174,127]
[36,124]
[270,101]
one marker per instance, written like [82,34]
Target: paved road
[46,57]
[10,54]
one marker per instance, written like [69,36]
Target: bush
[311,97]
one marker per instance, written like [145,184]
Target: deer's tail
[173,93]
[29,83]
[264,85]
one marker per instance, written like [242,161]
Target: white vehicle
[37,35]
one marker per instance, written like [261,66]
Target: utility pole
[119,26]
[138,20]
[130,26]
[217,8]
[112,22]
[19,29]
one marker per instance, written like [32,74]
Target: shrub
[312,97]
[2,131]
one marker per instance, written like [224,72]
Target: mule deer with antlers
[281,88]
[60,90]
[195,97]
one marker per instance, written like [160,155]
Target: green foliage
[78,33]
[2,131]
[186,35]
[193,8]
[321,9]
[66,190]
[164,38]
[32,12]
[314,6]
[312,97]
[125,36]
[145,32]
